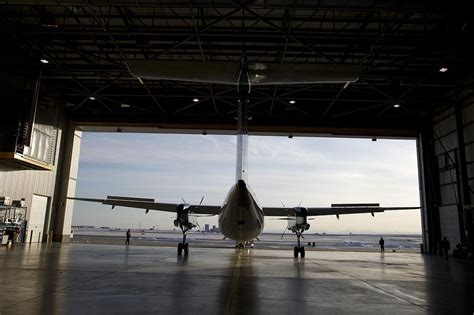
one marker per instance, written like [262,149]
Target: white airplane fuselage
[241,218]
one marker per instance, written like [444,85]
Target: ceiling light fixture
[123,105]
[396,105]
[195,100]
[45,61]
[92,98]
[292,102]
[443,69]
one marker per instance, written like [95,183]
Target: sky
[307,170]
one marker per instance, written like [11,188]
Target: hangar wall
[19,184]
[45,191]
[452,175]
[23,183]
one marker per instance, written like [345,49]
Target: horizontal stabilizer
[190,71]
[228,72]
[275,73]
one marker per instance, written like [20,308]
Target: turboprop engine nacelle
[301,218]
[182,214]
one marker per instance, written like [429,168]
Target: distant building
[206,227]
[215,229]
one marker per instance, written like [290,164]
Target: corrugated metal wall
[469,142]
[449,159]
[19,184]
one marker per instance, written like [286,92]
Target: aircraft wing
[337,210]
[149,204]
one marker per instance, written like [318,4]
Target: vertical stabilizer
[243,89]
[242,150]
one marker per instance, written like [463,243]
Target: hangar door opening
[38,209]
[306,171]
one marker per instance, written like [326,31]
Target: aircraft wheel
[295,251]
[302,252]
[186,248]
[180,248]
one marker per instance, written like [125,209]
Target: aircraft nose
[241,184]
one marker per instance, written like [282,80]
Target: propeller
[284,231]
[200,229]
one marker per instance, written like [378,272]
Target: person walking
[445,246]
[382,245]
[127,242]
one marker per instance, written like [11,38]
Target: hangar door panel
[449,219]
[38,209]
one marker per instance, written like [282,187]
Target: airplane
[241,217]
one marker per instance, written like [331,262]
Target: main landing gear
[299,249]
[184,247]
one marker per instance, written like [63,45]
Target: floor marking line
[376,287]
[231,305]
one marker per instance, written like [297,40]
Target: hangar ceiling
[399,46]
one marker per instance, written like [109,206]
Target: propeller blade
[282,204]
[183,200]
[200,203]
[300,202]
[200,229]
[284,231]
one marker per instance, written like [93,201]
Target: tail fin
[242,123]
[242,151]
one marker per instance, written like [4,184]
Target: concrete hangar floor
[106,279]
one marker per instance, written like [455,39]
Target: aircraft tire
[180,248]
[302,253]
[295,252]
[186,249]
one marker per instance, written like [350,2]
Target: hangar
[66,69]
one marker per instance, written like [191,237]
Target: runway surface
[106,279]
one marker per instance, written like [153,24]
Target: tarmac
[113,279]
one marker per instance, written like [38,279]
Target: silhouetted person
[445,246]
[128,237]
[382,245]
